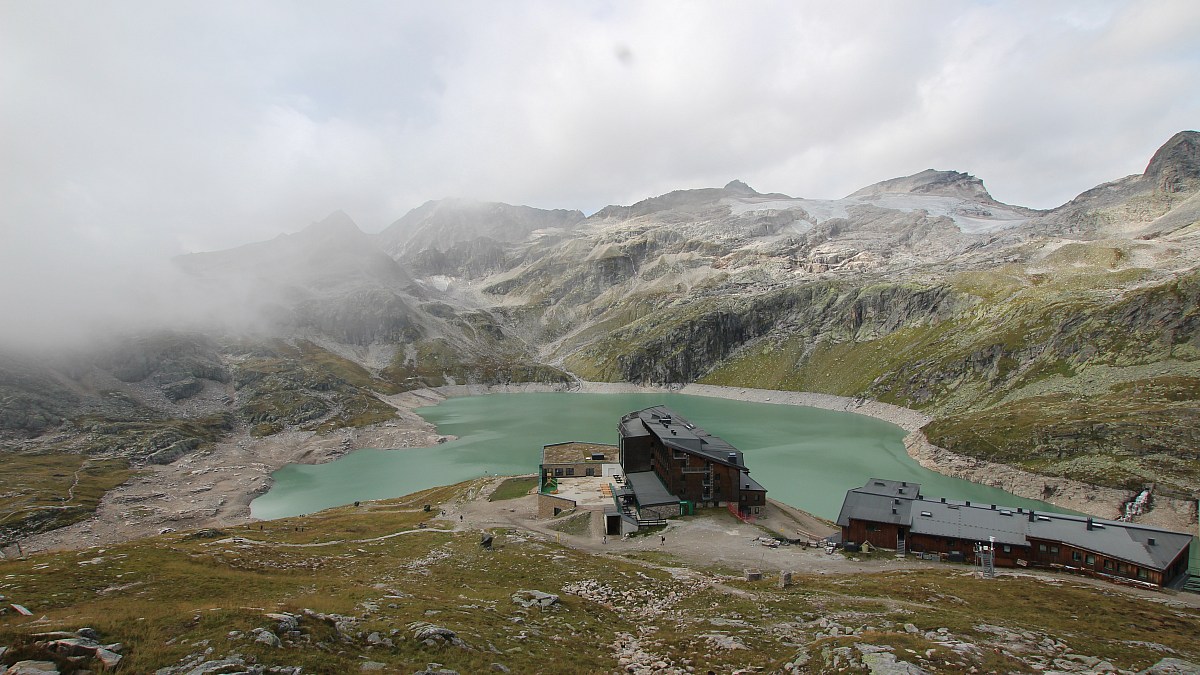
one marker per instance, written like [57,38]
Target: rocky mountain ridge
[1062,341]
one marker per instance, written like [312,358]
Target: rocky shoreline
[214,488]
[1102,502]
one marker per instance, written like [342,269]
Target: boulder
[432,635]
[1171,667]
[32,668]
[268,638]
[535,598]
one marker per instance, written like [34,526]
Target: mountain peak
[740,188]
[931,182]
[336,222]
[1176,165]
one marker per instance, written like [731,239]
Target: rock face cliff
[1064,341]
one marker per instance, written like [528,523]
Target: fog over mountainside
[1063,341]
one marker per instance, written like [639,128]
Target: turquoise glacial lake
[805,457]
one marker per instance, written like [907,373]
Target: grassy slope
[43,492]
[172,596]
[1046,371]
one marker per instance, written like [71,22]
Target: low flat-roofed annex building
[578,459]
[697,468]
[895,515]
[576,475]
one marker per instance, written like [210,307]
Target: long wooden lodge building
[895,515]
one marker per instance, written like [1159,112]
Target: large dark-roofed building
[895,515]
[699,469]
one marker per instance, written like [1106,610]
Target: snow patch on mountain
[971,217]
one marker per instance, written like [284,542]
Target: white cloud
[136,128]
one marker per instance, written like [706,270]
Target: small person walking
[604,539]
[664,539]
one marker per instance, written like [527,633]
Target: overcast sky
[135,129]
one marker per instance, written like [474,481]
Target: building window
[872,528]
[1121,568]
[570,471]
[1108,564]
[1054,550]
[590,471]
[1007,548]
[1076,556]
[1042,548]
[558,472]
[1091,559]
[1142,574]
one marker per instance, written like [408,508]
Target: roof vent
[1005,512]
[597,456]
[1151,541]
[895,501]
[904,483]
[993,507]
[1044,519]
[893,510]
[943,500]
[673,432]
[666,419]
[927,514]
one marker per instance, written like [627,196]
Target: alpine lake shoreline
[215,488]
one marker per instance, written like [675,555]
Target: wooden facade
[696,467]
[882,535]
[894,515]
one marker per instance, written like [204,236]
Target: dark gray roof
[648,489]
[631,427]
[676,432]
[875,508]
[976,522]
[749,483]
[890,488]
[1126,541]
[972,523]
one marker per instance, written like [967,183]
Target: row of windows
[1120,568]
[570,471]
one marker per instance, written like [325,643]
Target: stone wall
[547,504]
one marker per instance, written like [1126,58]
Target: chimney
[893,510]
[1150,541]
[1089,524]
[943,500]
[968,503]
[993,507]
[1032,515]
[903,483]
[733,458]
